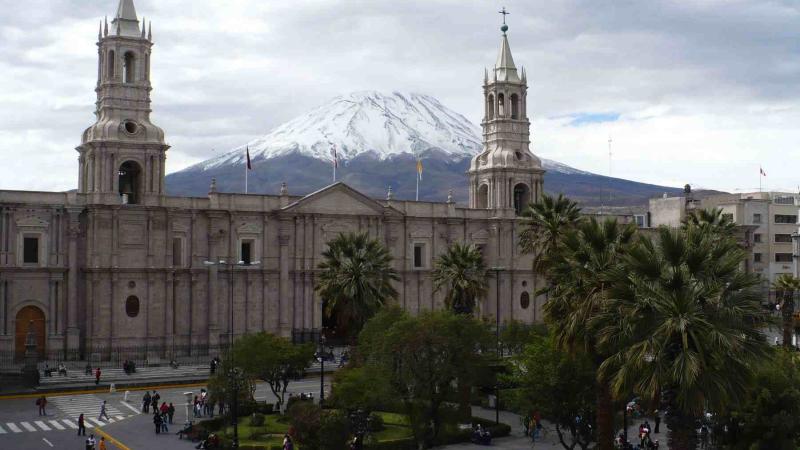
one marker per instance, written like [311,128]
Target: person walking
[164,428]
[287,442]
[156,398]
[170,412]
[102,443]
[97,376]
[41,402]
[657,420]
[103,412]
[81,426]
[146,402]
[157,421]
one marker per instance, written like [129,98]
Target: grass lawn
[393,433]
[393,418]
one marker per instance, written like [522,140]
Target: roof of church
[125,20]
[504,69]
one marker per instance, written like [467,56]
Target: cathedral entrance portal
[129,182]
[27,316]
[336,333]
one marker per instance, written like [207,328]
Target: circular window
[524,283]
[132,306]
[524,300]
[132,284]
[130,127]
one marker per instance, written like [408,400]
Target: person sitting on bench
[186,430]
[48,372]
[62,370]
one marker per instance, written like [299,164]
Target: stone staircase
[143,375]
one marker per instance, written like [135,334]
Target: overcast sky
[696,91]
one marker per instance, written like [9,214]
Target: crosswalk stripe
[2,431]
[131,408]
[57,425]
[95,421]
[119,417]
[27,426]
[13,428]
[71,424]
[42,425]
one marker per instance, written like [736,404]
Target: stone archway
[27,316]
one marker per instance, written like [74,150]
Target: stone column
[169,309]
[284,303]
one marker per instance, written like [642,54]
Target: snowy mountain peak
[366,121]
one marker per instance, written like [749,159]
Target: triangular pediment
[340,198]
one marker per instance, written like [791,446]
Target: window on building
[783,200]
[757,238]
[177,252]
[129,68]
[246,252]
[756,218]
[419,256]
[783,257]
[785,218]
[639,219]
[132,306]
[30,250]
[757,257]
[783,238]
[525,300]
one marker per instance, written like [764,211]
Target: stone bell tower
[506,175]
[122,155]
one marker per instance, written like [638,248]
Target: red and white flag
[761,171]
[334,155]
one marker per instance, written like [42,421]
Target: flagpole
[246,169]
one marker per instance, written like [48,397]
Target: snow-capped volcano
[366,121]
[377,137]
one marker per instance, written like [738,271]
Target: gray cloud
[705,91]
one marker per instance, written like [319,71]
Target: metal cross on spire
[504,13]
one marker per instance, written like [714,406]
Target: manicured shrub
[376,423]
[257,419]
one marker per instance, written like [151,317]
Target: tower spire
[125,22]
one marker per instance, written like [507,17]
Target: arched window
[132,306]
[500,105]
[490,113]
[129,69]
[514,106]
[111,61]
[482,199]
[524,300]
[522,196]
[130,182]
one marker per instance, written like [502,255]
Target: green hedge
[399,444]
[497,429]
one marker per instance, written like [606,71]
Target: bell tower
[506,175]
[122,154]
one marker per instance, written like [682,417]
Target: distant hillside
[373,176]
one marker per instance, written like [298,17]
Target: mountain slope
[377,137]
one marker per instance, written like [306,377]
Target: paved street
[22,428]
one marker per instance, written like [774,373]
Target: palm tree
[713,220]
[579,270]
[543,225]
[461,271]
[355,279]
[686,324]
[785,286]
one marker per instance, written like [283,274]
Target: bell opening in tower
[482,199]
[129,182]
[522,197]
[129,71]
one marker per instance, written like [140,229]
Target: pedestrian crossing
[88,405]
[65,418]
[54,425]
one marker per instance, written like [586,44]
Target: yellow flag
[419,168]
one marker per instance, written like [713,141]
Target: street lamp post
[497,270]
[322,366]
[233,374]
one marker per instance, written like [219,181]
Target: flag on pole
[419,168]
[334,155]
[249,166]
[761,171]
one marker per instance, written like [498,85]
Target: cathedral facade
[119,264]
